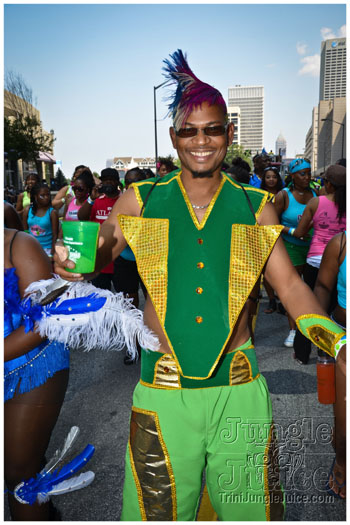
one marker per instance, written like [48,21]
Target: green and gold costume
[199,276]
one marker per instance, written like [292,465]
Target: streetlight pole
[342,138]
[155,118]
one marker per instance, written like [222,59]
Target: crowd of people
[175,234]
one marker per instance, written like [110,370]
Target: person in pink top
[327,213]
[82,188]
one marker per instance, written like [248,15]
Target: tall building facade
[281,146]
[250,100]
[234,115]
[333,69]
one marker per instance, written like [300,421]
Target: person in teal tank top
[332,276]
[40,219]
[290,203]
[201,242]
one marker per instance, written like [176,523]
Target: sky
[92,67]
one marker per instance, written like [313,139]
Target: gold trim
[238,369]
[137,194]
[149,240]
[166,456]
[168,378]
[252,189]
[262,204]
[151,385]
[200,225]
[266,476]
[137,483]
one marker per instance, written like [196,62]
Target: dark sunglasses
[210,131]
[78,188]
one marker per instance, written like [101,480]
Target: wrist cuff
[90,201]
[322,331]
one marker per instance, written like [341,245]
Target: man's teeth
[200,153]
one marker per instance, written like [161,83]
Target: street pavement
[98,401]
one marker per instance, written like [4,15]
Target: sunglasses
[78,188]
[272,168]
[210,131]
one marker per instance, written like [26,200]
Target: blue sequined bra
[30,370]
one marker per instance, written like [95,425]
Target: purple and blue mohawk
[190,92]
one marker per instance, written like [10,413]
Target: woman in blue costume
[35,374]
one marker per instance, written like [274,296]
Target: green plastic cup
[80,237]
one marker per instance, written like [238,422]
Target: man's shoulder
[250,189]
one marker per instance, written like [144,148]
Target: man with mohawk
[201,241]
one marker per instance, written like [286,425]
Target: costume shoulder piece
[199,274]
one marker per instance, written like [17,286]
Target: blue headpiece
[298,164]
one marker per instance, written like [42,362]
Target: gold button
[199,290]
[200,241]
[166,369]
[199,319]
[200,265]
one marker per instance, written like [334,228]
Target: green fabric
[208,428]
[220,376]
[205,339]
[26,199]
[296,253]
[329,325]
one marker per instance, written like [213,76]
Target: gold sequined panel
[166,373]
[321,337]
[273,491]
[240,369]
[148,239]
[250,248]
[151,467]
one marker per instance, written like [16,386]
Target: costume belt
[236,367]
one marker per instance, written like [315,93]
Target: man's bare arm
[111,239]
[296,296]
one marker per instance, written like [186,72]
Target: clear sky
[92,67]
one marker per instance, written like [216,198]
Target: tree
[24,136]
[60,179]
[237,150]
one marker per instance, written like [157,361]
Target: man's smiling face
[202,155]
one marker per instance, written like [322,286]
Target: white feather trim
[117,324]
[76,483]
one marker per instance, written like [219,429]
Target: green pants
[176,433]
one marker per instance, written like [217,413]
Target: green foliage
[60,179]
[237,150]
[24,138]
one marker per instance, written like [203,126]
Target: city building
[16,171]
[281,146]
[331,132]
[123,164]
[333,69]
[250,100]
[234,115]
[311,142]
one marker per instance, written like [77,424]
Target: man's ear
[173,136]
[230,131]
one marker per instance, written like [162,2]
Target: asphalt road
[98,400]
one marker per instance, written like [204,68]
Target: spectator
[97,208]
[165,165]
[23,199]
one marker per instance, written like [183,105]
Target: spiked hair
[190,91]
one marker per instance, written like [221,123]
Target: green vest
[198,276]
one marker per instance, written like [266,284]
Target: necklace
[195,207]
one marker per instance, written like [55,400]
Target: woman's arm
[19,204]
[25,218]
[281,202]
[306,218]
[60,198]
[54,227]
[32,264]
[328,272]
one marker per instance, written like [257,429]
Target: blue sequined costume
[28,371]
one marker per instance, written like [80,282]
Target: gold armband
[322,331]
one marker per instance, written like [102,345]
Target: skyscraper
[250,100]
[333,69]
[281,144]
